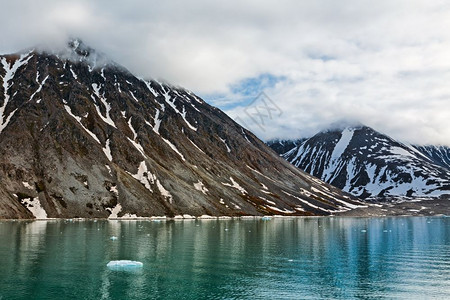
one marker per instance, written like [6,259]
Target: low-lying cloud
[384,63]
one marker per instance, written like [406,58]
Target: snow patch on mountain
[144,176]
[69,111]
[115,211]
[39,88]
[306,202]
[338,150]
[199,186]
[235,185]
[157,122]
[107,150]
[171,101]
[164,192]
[35,207]
[107,106]
[174,148]
[226,145]
[10,71]
[197,147]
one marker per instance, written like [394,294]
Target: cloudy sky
[382,63]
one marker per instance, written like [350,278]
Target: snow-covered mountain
[366,163]
[440,155]
[83,137]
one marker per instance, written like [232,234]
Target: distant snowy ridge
[366,163]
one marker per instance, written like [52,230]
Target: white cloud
[384,63]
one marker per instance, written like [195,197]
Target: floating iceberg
[266,218]
[113,238]
[124,265]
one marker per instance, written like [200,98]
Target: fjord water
[289,258]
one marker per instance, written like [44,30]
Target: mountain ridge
[79,140]
[368,164]
[440,155]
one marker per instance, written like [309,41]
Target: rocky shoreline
[414,207]
[399,208]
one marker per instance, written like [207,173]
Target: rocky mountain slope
[83,137]
[366,163]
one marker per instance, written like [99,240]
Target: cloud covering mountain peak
[385,64]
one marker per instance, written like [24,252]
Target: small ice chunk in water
[113,238]
[124,265]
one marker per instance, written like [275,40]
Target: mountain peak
[76,51]
[80,48]
[367,163]
[82,140]
[343,124]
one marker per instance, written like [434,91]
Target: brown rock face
[85,140]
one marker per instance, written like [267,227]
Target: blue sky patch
[243,92]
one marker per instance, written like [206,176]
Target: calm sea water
[298,258]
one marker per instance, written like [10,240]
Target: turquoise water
[298,258]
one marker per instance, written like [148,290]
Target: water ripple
[298,258]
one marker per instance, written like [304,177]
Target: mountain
[366,163]
[440,155]
[283,146]
[81,136]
